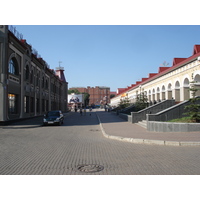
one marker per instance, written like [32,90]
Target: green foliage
[194,108]
[124,103]
[75,91]
[86,98]
[141,101]
[182,120]
[111,96]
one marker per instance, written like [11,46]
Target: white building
[169,82]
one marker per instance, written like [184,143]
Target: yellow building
[169,83]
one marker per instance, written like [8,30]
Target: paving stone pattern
[61,150]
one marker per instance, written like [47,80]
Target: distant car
[53,117]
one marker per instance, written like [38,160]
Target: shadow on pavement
[71,119]
[75,119]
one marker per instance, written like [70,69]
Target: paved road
[79,148]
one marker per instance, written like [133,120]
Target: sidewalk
[114,127]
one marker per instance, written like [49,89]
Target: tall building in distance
[99,95]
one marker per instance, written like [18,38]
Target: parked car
[53,117]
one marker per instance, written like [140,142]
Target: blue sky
[110,55]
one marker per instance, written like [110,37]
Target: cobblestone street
[79,148]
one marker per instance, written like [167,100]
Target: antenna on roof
[59,68]
[164,64]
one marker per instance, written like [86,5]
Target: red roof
[121,90]
[113,93]
[152,74]
[177,62]
[196,49]
[161,69]
[144,79]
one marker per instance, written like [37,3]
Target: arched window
[186,82]
[46,84]
[197,78]
[163,88]
[177,85]
[169,87]
[149,92]
[12,67]
[197,84]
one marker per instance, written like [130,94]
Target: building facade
[98,95]
[28,87]
[169,83]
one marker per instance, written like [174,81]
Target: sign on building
[75,98]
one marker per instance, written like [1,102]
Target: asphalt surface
[79,147]
[113,127]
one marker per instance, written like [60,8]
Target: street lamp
[140,91]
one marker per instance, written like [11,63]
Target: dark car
[53,117]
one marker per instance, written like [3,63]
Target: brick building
[98,95]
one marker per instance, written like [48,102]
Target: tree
[75,91]
[112,95]
[141,101]
[124,103]
[86,98]
[194,107]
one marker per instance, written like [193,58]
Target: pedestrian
[81,112]
[90,110]
[85,111]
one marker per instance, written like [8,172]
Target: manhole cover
[90,168]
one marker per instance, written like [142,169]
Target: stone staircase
[142,123]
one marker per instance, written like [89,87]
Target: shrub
[194,107]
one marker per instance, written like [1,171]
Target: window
[43,82]
[37,79]
[12,103]
[32,76]
[26,104]
[32,104]
[12,68]
[27,72]
[43,105]
[46,85]
[38,105]
[47,105]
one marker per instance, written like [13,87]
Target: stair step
[142,123]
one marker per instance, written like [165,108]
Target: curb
[20,126]
[147,141]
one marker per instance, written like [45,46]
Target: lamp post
[140,91]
